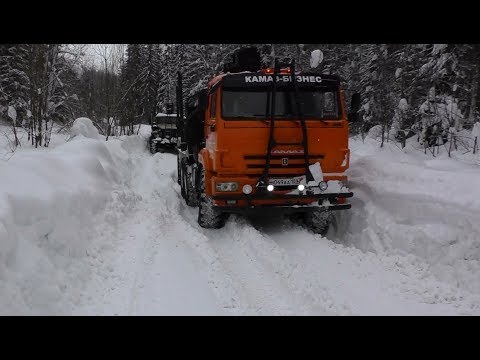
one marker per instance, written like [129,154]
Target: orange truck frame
[271,143]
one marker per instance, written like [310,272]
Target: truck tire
[182,180]
[189,191]
[318,221]
[153,146]
[208,215]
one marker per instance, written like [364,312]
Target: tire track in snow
[164,249]
[311,297]
[272,270]
[303,263]
[264,287]
[148,271]
[254,287]
[274,274]
[260,271]
[242,273]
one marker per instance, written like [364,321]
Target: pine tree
[14,82]
[131,75]
[149,82]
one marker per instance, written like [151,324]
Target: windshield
[166,122]
[314,104]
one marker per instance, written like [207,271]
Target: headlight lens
[301,187]
[270,187]
[247,189]
[323,185]
[226,186]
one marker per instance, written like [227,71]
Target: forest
[94,220]
[127,84]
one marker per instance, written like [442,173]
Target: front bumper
[284,203]
[278,210]
[276,196]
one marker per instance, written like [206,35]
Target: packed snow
[84,127]
[95,227]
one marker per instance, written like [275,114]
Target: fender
[207,164]
[205,160]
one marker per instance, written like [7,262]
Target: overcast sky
[94,53]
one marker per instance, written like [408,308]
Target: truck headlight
[226,186]
[323,185]
[247,189]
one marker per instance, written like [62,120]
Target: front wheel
[209,215]
[182,179]
[318,221]
[189,191]
[179,173]
[153,146]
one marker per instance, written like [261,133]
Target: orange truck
[266,140]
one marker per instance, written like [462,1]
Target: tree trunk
[30,130]
[383,135]
[299,56]
[17,142]
[473,97]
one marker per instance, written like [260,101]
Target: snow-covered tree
[149,82]
[52,90]
[14,82]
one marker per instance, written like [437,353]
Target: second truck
[265,140]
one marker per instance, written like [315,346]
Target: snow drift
[413,204]
[84,126]
[49,201]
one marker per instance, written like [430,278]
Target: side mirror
[356,103]
[203,99]
[353,117]
[354,107]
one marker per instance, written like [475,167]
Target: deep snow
[96,227]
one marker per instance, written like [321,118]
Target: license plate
[286,182]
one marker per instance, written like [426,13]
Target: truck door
[210,123]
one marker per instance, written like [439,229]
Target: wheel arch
[206,163]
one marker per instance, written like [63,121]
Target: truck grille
[294,161]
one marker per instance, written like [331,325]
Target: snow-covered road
[105,232]
[164,263]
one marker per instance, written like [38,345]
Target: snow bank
[84,126]
[50,201]
[407,202]
[375,132]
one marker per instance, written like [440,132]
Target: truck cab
[275,140]
[164,132]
